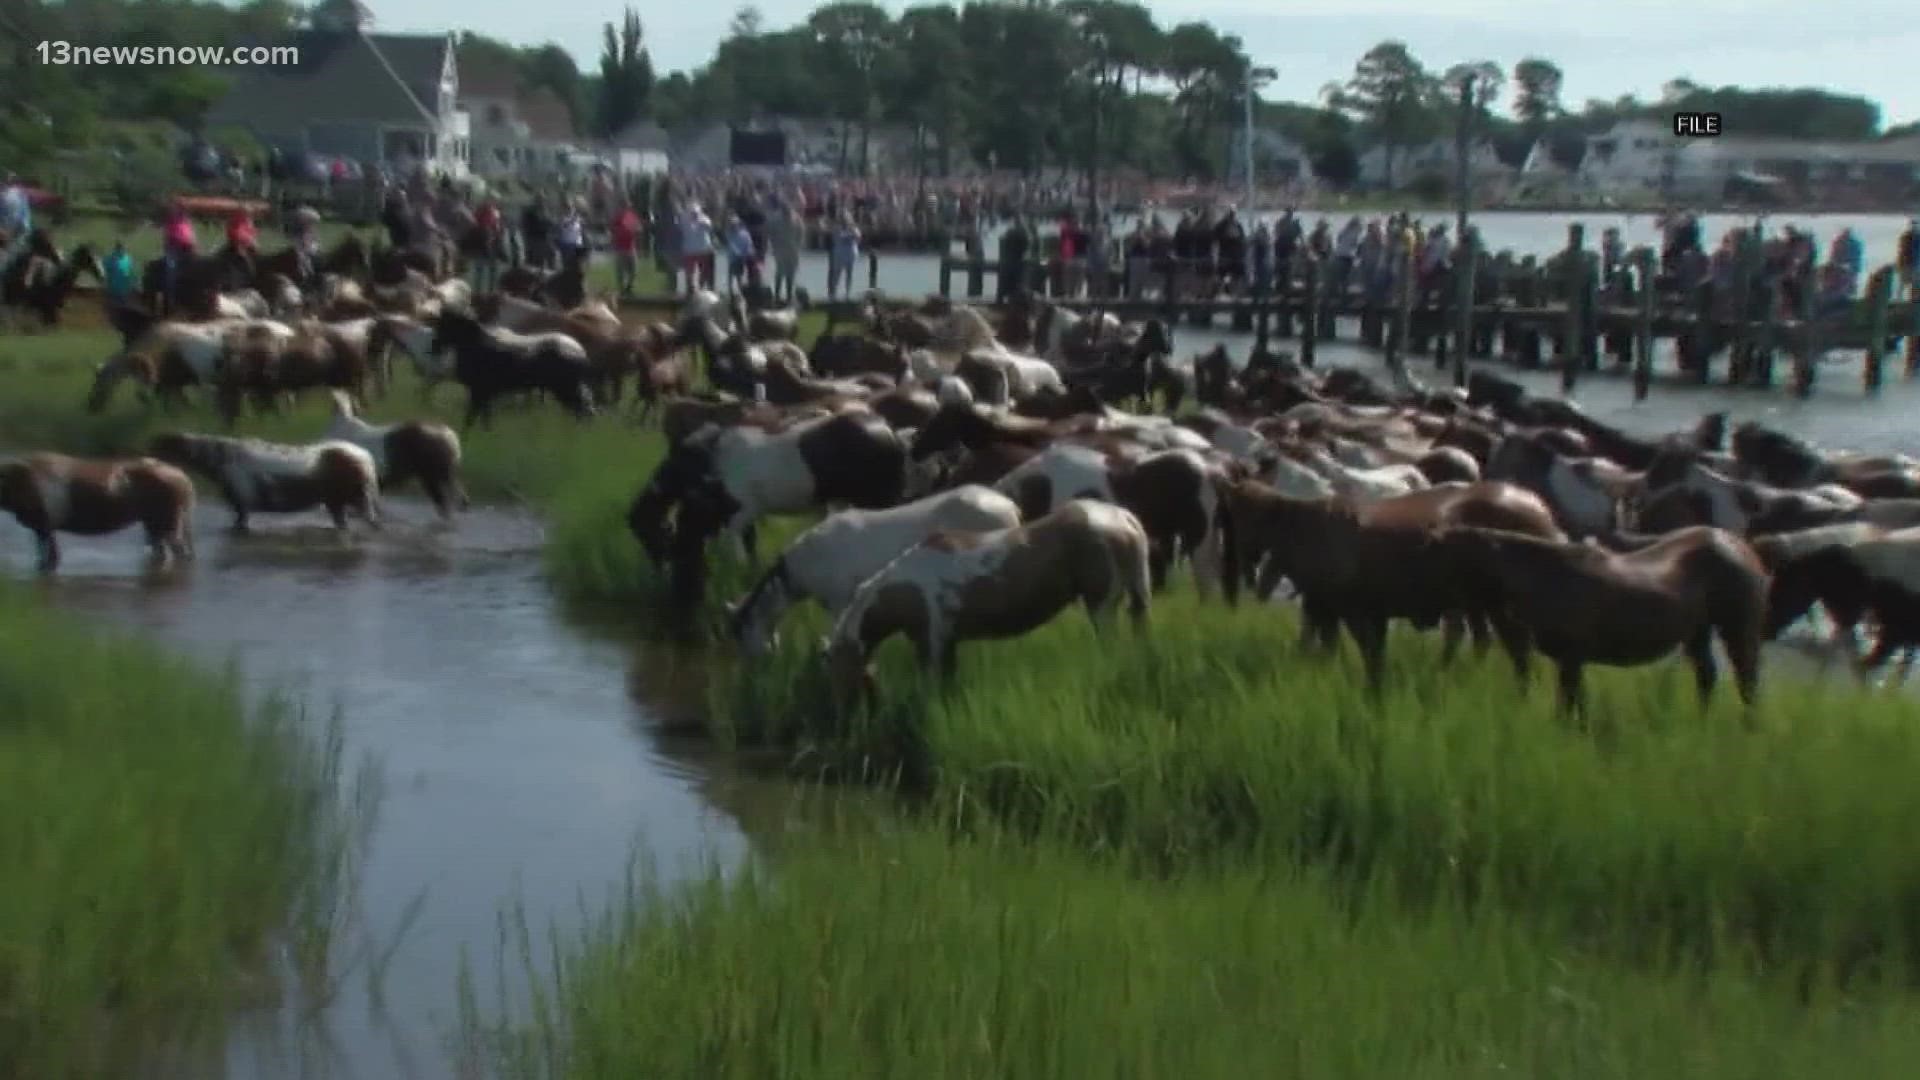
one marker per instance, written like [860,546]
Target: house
[811,144]
[1638,156]
[1276,157]
[517,132]
[376,98]
[1397,166]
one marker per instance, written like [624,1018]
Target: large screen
[759,147]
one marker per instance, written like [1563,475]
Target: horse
[265,365]
[1681,491]
[1787,461]
[490,363]
[1578,603]
[1819,566]
[1172,493]
[1362,565]
[1449,465]
[403,451]
[167,358]
[844,355]
[959,586]
[255,476]
[974,427]
[828,562]
[1588,495]
[1377,482]
[41,283]
[852,458]
[52,493]
[413,338]
[1000,377]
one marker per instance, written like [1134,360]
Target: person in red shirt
[242,237]
[625,234]
[483,245]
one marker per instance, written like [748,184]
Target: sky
[1864,47]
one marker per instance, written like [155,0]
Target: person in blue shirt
[16,218]
[117,275]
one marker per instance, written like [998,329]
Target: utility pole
[1463,173]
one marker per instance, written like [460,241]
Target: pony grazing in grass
[954,587]
[1580,604]
[420,450]
[54,493]
[829,561]
[273,478]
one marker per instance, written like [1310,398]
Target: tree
[1118,38]
[1390,93]
[929,83]
[1536,97]
[746,23]
[552,67]
[1208,72]
[626,76]
[852,33]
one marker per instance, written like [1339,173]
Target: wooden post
[1913,332]
[1806,356]
[873,269]
[946,277]
[1879,299]
[1643,324]
[1746,266]
[1771,311]
[1309,311]
[1572,332]
[1465,266]
[976,277]
[1327,301]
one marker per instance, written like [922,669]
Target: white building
[514,132]
[1383,166]
[1644,156]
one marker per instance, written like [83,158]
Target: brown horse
[54,493]
[1362,565]
[963,586]
[1580,604]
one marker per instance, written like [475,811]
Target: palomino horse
[1580,604]
[954,587]
[1363,565]
[828,562]
[273,478]
[54,493]
[406,450]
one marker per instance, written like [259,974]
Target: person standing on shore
[623,235]
[696,248]
[783,238]
[1907,257]
[842,253]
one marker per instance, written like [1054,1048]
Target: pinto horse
[41,280]
[403,451]
[1580,604]
[53,493]
[1362,565]
[958,586]
[255,476]
[850,458]
[828,562]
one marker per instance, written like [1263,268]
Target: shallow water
[516,760]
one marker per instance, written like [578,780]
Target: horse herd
[978,478]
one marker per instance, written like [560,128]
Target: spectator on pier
[1099,258]
[1068,255]
[1139,264]
[1230,246]
[1846,251]
[1012,277]
[783,240]
[1162,255]
[1346,248]
[623,234]
[1262,259]
[843,251]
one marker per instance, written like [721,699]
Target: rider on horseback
[178,243]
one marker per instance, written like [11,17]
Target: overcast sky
[1866,47]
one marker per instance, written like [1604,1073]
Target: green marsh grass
[914,954]
[164,845]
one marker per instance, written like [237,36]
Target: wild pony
[255,476]
[850,458]
[266,366]
[406,450]
[828,562]
[1589,495]
[491,363]
[1173,494]
[168,358]
[1788,461]
[1580,604]
[1852,570]
[42,280]
[1363,565]
[959,586]
[53,493]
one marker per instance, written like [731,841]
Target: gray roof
[341,77]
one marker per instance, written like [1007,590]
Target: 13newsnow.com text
[66,53]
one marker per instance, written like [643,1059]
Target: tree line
[1082,84]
